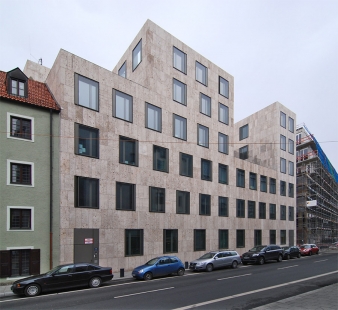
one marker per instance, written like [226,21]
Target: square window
[206,170]
[86,92]
[240,238]
[272,186]
[257,237]
[283,119]
[153,117]
[253,181]
[223,206]
[137,55]
[180,127]
[264,185]
[87,192]
[240,180]
[244,132]
[283,188]
[223,87]
[251,209]
[223,113]
[291,168]
[283,212]
[291,190]
[291,146]
[20,173]
[283,165]
[205,105]
[186,164]
[272,236]
[201,74]
[133,242]
[160,159]
[182,202]
[205,203]
[282,142]
[20,127]
[170,240]
[125,196]
[203,135]
[156,199]
[222,174]
[272,208]
[291,125]
[128,151]
[244,152]
[223,238]
[18,88]
[86,141]
[223,143]
[122,106]
[179,60]
[262,210]
[283,237]
[179,92]
[240,208]
[291,213]
[20,218]
[123,70]
[199,239]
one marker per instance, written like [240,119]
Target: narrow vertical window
[179,92]
[205,204]
[240,179]
[201,74]
[199,239]
[223,143]
[262,210]
[282,142]
[133,242]
[160,159]
[203,135]
[257,237]
[122,106]
[240,208]
[283,212]
[251,209]
[223,113]
[182,202]
[283,188]
[291,168]
[272,236]
[264,186]
[244,132]
[137,55]
[180,60]
[291,125]
[283,165]
[156,199]
[240,238]
[223,206]
[291,146]
[272,208]
[123,70]
[283,119]
[205,105]
[272,186]
[253,181]
[170,240]
[179,127]
[153,117]
[222,174]
[244,152]
[223,87]
[223,238]
[186,165]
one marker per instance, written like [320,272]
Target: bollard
[122,273]
[186,265]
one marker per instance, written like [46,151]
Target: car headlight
[200,264]
[140,271]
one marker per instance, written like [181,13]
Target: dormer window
[17,83]
[18,88]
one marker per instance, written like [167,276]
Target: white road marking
[243,275]
[318,261]
[288,267]
[252,292]
[161,289]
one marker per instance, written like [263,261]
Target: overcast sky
[284,51]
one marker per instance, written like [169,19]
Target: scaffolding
[317,192]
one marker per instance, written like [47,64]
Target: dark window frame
[282,188]
[25,176]
[123,151]
[22,133]
[93,83]
[244,152]
[240,238]
[226,169]
[187,201]
[93,193]
[223,206]
[243,132]
[199,244]
[251,209]
[262,210]
[159,121]
[283,119]
[240,208]
[272,236]
[263,180]
[95,132]
[253,181]
[204,176]
[129,247]
[240,178]
[223,238]
[202,127]
[207,107]
[257,237]
[121,187]
[156,165]
[283,212]
[272,211]
[204,73]
[226,109]
[272,186]
[134,66]
[170,239]
[185,60]
[185,92]
[204,204]
[184,127]
[283,142]
[223,147]
[116,93]
[189,168]
[124,68]
[156,207]
[226,85]
[17,221]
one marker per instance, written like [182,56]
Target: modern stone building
[151,161]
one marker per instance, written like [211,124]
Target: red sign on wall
[89,240]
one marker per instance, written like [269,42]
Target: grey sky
[284,51]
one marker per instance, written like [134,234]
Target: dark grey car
[262,253]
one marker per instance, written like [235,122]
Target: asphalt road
[242,288]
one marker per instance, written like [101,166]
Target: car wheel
[32,290]
[310,253]
[261,260]
[298,255]
[234,264]
[209,267]
[95,282]
[180,272]
[148,276]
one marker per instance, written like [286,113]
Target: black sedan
[63,277]
[291,252]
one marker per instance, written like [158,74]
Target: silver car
[216,259]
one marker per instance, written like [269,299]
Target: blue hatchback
[159,267]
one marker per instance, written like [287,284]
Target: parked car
[63,277]
[309,249]
[262,253]
[158,267]
[291,252]
[216,259]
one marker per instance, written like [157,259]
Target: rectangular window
[137,55]
[87,192]
[291,146]
[86,92]
[257,237]
[86,141]
[153,117]
[133,242]
[18,87]
[205,204]
[20,174]
[283,237]
[282,142]
[244,132]
[244,152]
[128,151]
[199,239]
[156,199]
[223,206]
[283,119]
[272,186]
[223,87]
[291,190]
[222,174]
[20,219]
[262,210]
[180,60]
[283,212]
[272,209]
[179,92]
[203,135]
[180,127]
[206,170]
[223,238]
[272,236]
[170,240]
[251,209]
[122,106]
[291,124]
[205,105]
[253,180]
[291,213]
[182,202]
[223,143]
[21,127]
[240,180]
[282,165]
[298,138]
[283,188]
[125,196]
[186,164]
[291,168]
[240,208]
[240,238]
[223,113]
[201,74]
[160,159]
[264,186]
[123,70]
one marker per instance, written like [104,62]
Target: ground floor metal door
[86,245]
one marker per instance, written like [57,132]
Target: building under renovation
[317,192]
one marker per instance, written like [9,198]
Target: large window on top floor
[18,88]
[122,106]
[205,104]
[179,127]
[206,170]
[223,143]
[179,92]
[203,135]
[86,141]
[153,117]
[160,158]
[170,240]
[125,196]
[133,242]
[201,73]
[223,113]
[283,119]
[137,54]
[86,92]
[179,60]
[205,204]
[291,124]
[223,206]
[199,240]
[223,174]
[244,132]
[223,86]
[186,165]
[128,151]
[87,192]
[156,199]
[20,127]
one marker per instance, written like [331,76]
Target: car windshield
[152,261]
[208,255]
[305,247]
[257,248]
[53,270]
